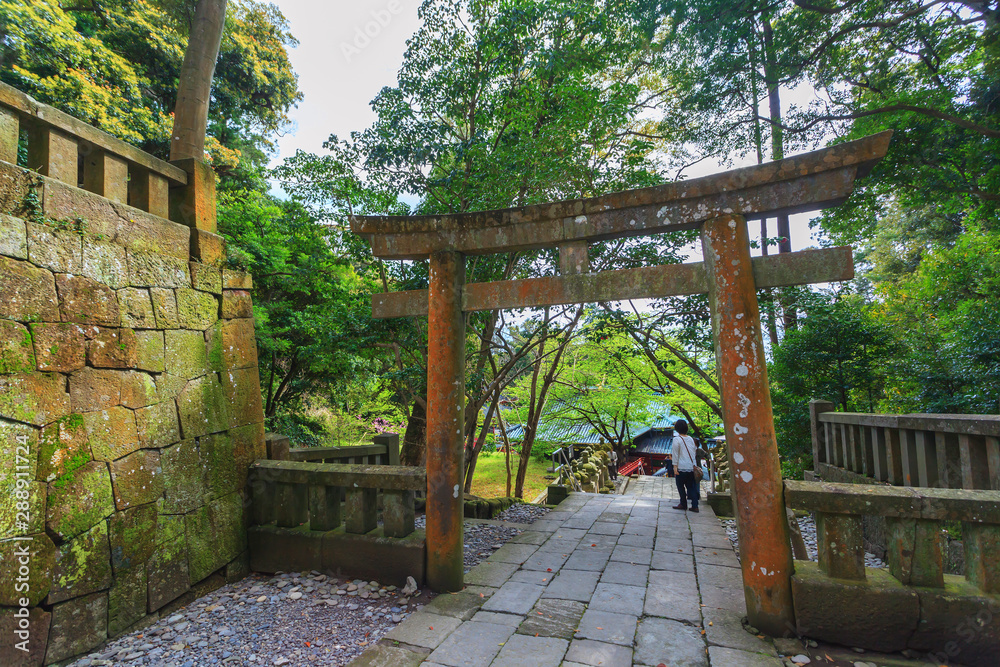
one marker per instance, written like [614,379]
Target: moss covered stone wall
[130,411]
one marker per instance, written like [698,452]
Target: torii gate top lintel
[802,183]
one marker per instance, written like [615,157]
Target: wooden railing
[68,150]
[916,450]
[916,545]
[291,494]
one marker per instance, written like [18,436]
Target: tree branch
[892,108]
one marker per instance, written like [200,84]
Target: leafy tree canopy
[115,63]
[312,311]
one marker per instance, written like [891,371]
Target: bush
[304,431]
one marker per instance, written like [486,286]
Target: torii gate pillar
[445,421]
[765,551]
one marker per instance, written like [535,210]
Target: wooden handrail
[941,423]
[919,450]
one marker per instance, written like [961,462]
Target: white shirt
[614,456]
[683,451]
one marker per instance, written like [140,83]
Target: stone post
[10,134]
[53,154]
[194,204]
[149,191]
[445,421]
[105,174]
[766,555]
[819,444]
[277,446]
[391,442]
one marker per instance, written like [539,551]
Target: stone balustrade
[325,516]
[294,493]
[917,604]
[915,450]
[384,450]
[67,150]
[720,480]
[720,490]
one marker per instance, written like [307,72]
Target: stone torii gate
[719,205]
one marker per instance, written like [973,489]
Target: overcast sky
[349,50]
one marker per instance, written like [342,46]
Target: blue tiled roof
[580,433]
[564,434]
[658,444]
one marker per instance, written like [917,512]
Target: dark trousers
[687,487]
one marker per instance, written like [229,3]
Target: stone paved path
[648,486]
[602,580]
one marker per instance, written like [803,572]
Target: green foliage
[948,304]
[607,385]
[925,70]
[303,430]
[115,64]
[840,353]
[509,103]
[312,309]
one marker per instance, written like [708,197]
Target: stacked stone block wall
[130,411]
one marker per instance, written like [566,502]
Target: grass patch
[490,480]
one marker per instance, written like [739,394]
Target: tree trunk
[691,422]
[473,456]
[758,140]
[414,451]
[194,89]
[522,464]
[506,450]
[772,78]
[769,316]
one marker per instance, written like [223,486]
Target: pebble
[522,513]
[259,621]
[802,659]
[807,526]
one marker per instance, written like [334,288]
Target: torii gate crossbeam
[719,205]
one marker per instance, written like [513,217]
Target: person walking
[614,464]
[684,452]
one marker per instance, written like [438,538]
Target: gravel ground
[288,619]
[482,539]
[291,618]
[808,527]
[523,513]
